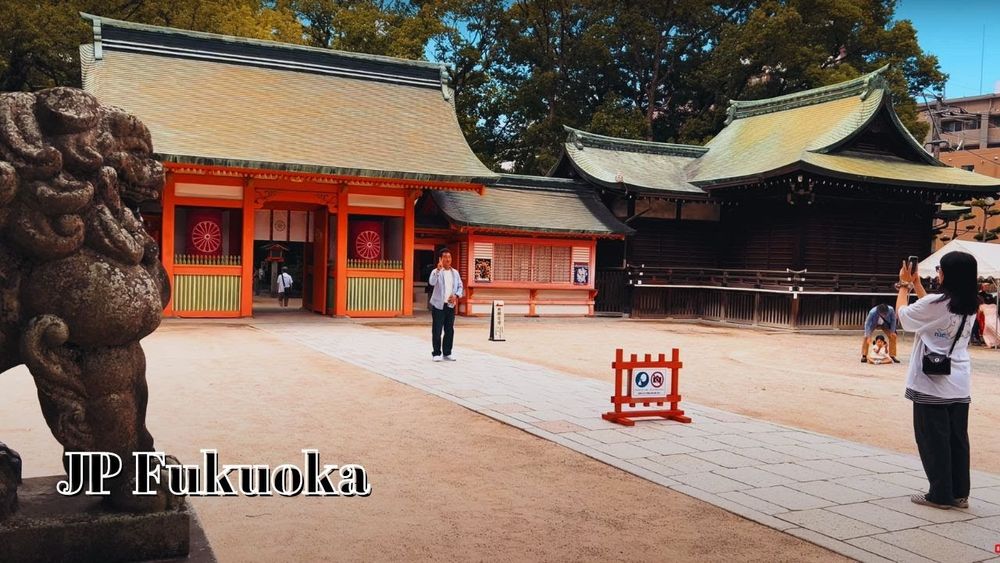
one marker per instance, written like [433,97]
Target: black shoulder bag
[940,364]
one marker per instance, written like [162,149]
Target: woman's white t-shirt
[935,327]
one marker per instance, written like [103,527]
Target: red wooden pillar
[340,286]
[409,232]
[167,236]
[320,229]
[246,274]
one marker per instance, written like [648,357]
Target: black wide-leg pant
[942,434]
[444,320]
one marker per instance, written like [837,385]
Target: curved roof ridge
[862,86]
[122,24]
[583,139]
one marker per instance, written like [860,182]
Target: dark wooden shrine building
[797,213]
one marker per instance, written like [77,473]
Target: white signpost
[496,322]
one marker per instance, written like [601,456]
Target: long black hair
[959,286]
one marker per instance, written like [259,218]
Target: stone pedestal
[51,527]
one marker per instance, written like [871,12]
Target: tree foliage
[522,69]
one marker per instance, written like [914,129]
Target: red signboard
[366,240]
[204,236]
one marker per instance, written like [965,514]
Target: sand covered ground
[811,381]
[448,484]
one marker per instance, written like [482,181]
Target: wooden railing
[356,264]
[198,260]
[789,281]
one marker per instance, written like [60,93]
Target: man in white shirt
[284,286]
[448,288]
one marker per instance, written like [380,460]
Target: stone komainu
[80,279]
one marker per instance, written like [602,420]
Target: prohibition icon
[206,237]
[657,379]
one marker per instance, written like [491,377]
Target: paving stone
[559,426]
[918,484]
[871,464]
[709,428]
[801,452]
[701,443]
[678,429]
[509,408]
[548,415]
[981,479]
[796,472]
[765,455]
[989,494]
[778,438]
[981,508]
[833,492]
[685,463]
[966,533]
[991,523]
[933,546]
[651,465]
[754,503]
[579,438]
[595,423]
[710,482]
[725,458]
[754,476]
[608,436]
[624,451]
[830,523]
[880,516]
[738,441]
[734,507]
[522,416]
[464,393]
[789,498]
[834,468]
[837,546]
[665,446]
[874,486]
[646,433]
[836,450]
[812,437]
[887,550]
[905,461]
[935,515]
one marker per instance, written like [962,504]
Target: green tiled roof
[224,101]
[532,204]
[811,130]
[636,165]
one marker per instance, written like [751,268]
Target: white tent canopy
[987,254]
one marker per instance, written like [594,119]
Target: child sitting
[879,353]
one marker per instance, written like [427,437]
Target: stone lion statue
[80,279]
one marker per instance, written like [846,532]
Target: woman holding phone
[942,324]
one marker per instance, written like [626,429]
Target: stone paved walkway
[847,497]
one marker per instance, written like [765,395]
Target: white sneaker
[436,358]
[449,358]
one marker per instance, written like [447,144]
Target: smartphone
[913,264]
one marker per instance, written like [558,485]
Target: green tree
[397,28]
[39,41]
[784,46]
